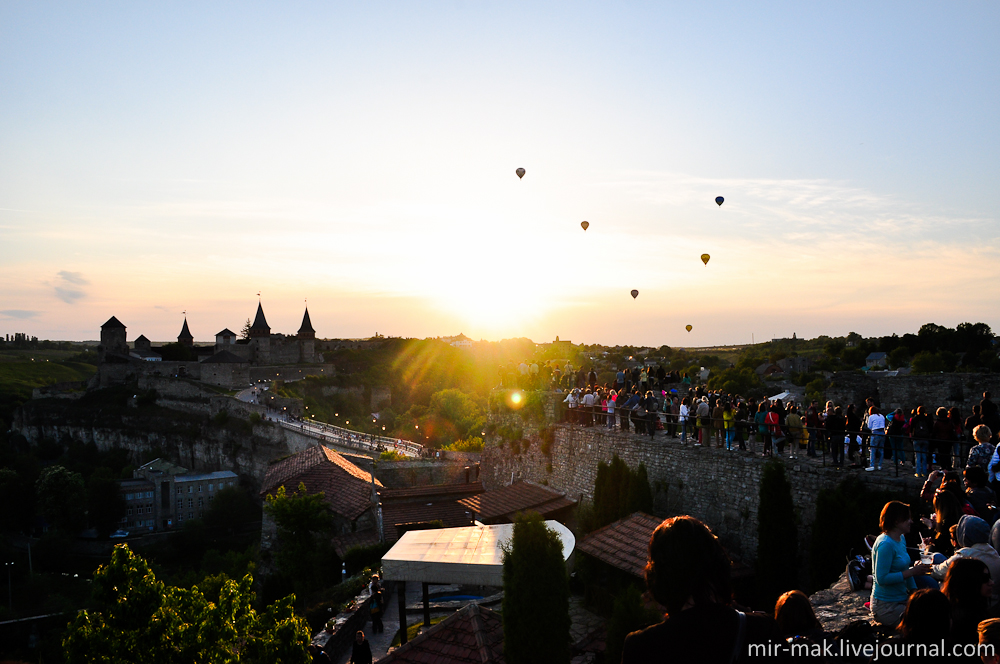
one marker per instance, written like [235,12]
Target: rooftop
[436,491]
[224,357]
[622,544]
[472,635]
[449,512]
[198,477]
[347,488]
[518,497]
[471,555]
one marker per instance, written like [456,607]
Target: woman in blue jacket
[892,575]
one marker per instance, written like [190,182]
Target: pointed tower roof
[112,323]
[260,328]
[185,337]
[306,330]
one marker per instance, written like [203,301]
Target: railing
[356,439]
[896,448]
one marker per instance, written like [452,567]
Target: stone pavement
[838,605]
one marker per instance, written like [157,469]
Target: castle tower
[112,340]
[185,337]
[260,338]
[307,340]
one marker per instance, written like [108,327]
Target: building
[162,495]
[876,360]
[471,634]
[503,504]
[348,491]
[424,507]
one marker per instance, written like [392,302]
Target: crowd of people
[954,621]
[863,437]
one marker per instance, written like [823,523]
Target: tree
[177,352]
[104,501]
[62,498]
[304,528]
[245,332]
[618,492]
[536,595]
[777,536]
[231,508]
[899,357]
[141,619]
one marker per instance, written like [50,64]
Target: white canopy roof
[469,555]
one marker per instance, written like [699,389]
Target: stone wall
[290,373]
[719,487]
[962,390]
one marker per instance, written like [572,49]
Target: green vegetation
[22,371]
[536,595]
[304,530]
[139,618]
[618,492]
[777,535]
[413,630]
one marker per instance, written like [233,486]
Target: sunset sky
[165,157]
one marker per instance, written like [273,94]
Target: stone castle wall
[962,390]
[719,487]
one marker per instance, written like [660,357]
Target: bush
[618,492]
[473,445]
[360,557]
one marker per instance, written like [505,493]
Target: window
[180,517]
[210,498]
[180,504]
[178,491]
[124,520]
[149,509]
[211,486]
[230,482]
[199,488]
[190,488]
[149,494]
[190,503]
[128,496]
[190,515]
[129,511]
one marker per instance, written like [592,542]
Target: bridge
[363,442]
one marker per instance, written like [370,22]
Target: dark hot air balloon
[520,174]
[720,200]
[687,327]
[704,258]
[585,224]
[635,293]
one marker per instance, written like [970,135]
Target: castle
[229,363]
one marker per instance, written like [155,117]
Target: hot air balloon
[635,293]
[687,327]
[719,200]
[704,258]
[585,224]
[520,174]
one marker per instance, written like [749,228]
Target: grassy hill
[23,370]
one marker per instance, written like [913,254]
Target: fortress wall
[719,487]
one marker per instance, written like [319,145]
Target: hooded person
[974,541]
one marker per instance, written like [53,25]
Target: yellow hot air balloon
[520,173]
[704,258]
[585,224]
[687,327]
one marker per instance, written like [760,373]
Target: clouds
[19,314]
[67,290]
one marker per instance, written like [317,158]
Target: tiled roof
[226,332]
[433,491]
[113,322]
[517,497]
[344,543]
[450,512]
[347,488]
[472,635]
[622,544]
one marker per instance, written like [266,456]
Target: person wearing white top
[682,418]
[876,424]
[610,409]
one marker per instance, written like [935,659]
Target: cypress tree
[777,535]
[536,595]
